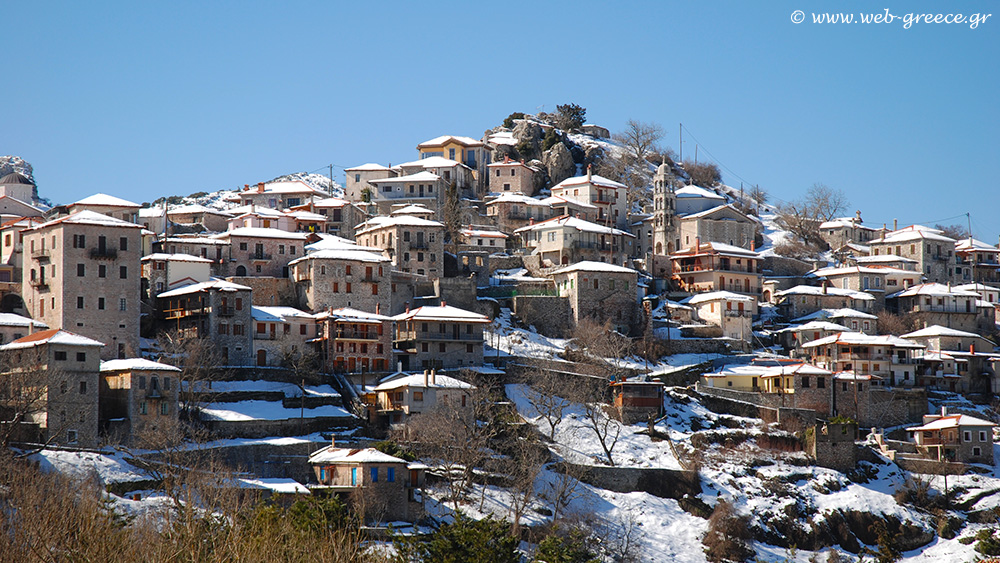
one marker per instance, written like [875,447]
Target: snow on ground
[265,410]
[519,342]
[109,467]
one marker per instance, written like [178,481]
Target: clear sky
[141,100]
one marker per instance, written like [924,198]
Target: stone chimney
[246,187]
[589,173]
[972,348]
[857,216]
[378,308]
[444,303]
[407,306]
[333,441]
[425,378]
[260,187]
[895,224]
[433,377]
[944,411]
[697,244]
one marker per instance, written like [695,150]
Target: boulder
[559,163]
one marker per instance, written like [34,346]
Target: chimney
[246,187]
[697,244]
[589,175]
[260,187]
[753,245]
[825,286]
[333,441]
[378,308]
[506,159]
[531,220]
[433,377]
[944,411]
[399,366]
[444,303]
[857,216]
[407,306]
[425,378]
[895,224]
[972,348]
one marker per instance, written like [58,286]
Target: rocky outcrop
[559,163]
[529,139]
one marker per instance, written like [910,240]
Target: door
[354,476]
[261,357]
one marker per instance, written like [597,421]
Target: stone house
[412,244]
[439,337]
[694,199]
[347,277]
[511,211]
[278,195]
[12,255]
[144,393]
[217,311]
[163,272]
[107,205]
[511,176]
[723,224]
[262,252]
[951,360]
[422,188]
[601,292]
[474,154]
[561,205]
[17,186]
[715,266]
[607,195]
[62,369]
[854,320]
[280,334]
[450,171]
[732,312]
[352,341]
[401,396]
[792,338]
[801,300]
[14,326]
[939,304]
[490,240]
[199,217]
[932,250]
[980,262]
[958,438]
[259,217]
[842,231]
[565,240]
[341,216]
[382,487]
[893,361]
[82,272]
[204,247]
[357,185]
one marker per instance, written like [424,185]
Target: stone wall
[286,427]
[663,483]
[549,314]
[458,292]
[697,346]
[505,262]
[269,291]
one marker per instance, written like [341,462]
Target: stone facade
[211,248]
[565,240]
[607,195]
[262,252]
[549,314]
[163,272]
[352,341]
[510,212]
[216,311]
[358,178]
[601,292]
[143,392]
[933,252]
[716,266]
[511,177]
[440,337]
[340,278]
[281,334]
[82,273]
[381,487]
[720,224]
[412,244]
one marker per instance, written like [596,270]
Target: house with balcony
[801,300]
[977,262]
[561,205]
[163,272]
[439,337]
[724,224]
[353,341]
[138,395]
[511,211]
[382,487]
[345,276]
[340,216]
[955,360]
[281,334]
[411,243]
[715,266]
[793,337]
[260,217]
[890,360]
[473,238]
[257,251]
[939,304]
[601,292]
[608,196]
[107,205]
[473,154]
[956,438]
[636,400]
[732,312]
[217,311]
[421,188]
[401,396]
[933,252]
[277,195]
[565,240]
[854,320]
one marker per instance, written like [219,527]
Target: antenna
[680,142]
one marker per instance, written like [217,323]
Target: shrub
[987,542]
[509,121]
[703,174]
[551,138]
[728,536]
[570,116]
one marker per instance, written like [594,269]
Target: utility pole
[968,217]
[680,142]
[331,180]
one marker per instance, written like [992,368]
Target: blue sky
[172,98]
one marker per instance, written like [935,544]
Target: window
[123,272]
[976,451]
[100,303]
[347,287]
[80,270]
[281,249]
[468,348]
[390,474]
[243,246]
[374,289]
[967,436]
[238,329]
[123,244]
[164,408]
[418,395]
[441,347]
[820,383]
[982,436]
[102,271]
[336,287]
[143,409]
[805,382]
[347,270]
[239,303]
[71,436]
[83,387]
[302,329]
[79,302]
[374,474]
[122,304]
[81,356]
[79,241]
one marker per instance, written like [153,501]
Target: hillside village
[546,326]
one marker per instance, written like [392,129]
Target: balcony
[265,336]
[40,284]
[438,336]
[106,253]
[258,256]
[356,335]
[225,311]
[419,245]
[41,254]
[737,313]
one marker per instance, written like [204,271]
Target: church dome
[16,178]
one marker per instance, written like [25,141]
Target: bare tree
[703,174]
[564,488]
[803,217]
[957,232]
[592,393]
[197,359]
[639,139]
[24,390]
[602,345]
[759,195]
[545,394]
[620,536]
[523,462]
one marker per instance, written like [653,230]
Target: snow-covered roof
[442,313]
[697,192]
[353,315]
[175,258]
[366,166]
[815,326]
[882,258]
[843,313]
[87,217]
[933,289]
[861,339]
[136,364]
[413,209]
[423,176]
[914,232]
[717,248]
[279,314]
[303,215]
[258,210]
[974,245]
[502,138]
[286,187]
[977,287]
[445,139]
[938,330]
[845,222]
[510,197]
[106,200]
[11,319]
[333,455]
[330,202]
[953,421]
[155,211]
[281,485]
[560,200]
[573,223]
[52,336]
[359,254]
[195,208]
[394,221]
[212,285]
[837,291]
[845,270]
[433,162]
[592,266]
[417,380]
[715,209]
[592,179]
[482,233]
[716,296]
[261,232]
